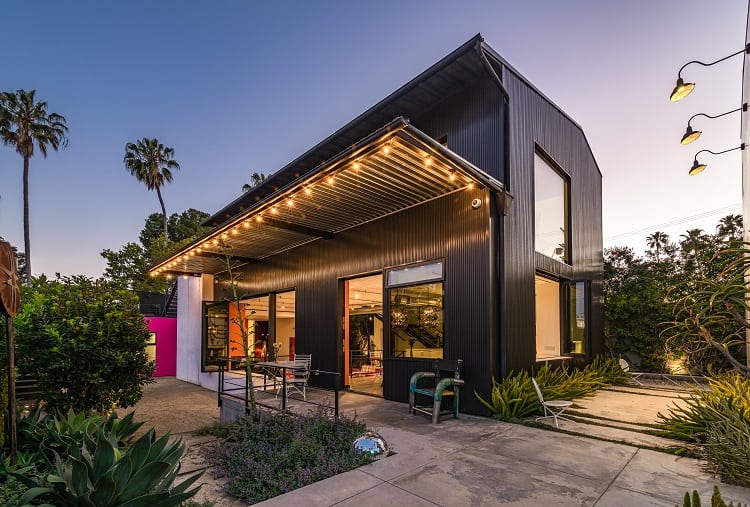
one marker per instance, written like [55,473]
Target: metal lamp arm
[746,49]
[742,108]
[740,147]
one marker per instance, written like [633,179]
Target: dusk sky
[236,87]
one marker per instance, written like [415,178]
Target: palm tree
[658,241]
[25,123]
[730,228]
[255,180]
[151,163]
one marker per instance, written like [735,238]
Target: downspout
[498,210]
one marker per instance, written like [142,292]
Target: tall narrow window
[577,317]
[415,296]
[215,334]
[550,211]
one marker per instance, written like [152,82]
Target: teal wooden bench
[441,386]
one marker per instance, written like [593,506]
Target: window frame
[565,177]
[387,338]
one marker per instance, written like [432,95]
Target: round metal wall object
[372,444]
[10,291]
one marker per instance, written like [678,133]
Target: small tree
[713,315]
[248,345]
[85,342]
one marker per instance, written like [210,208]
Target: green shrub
[280,452]
[727,447]
[514,397]
[84,341]
[92,466]
[716,500]
[705,408]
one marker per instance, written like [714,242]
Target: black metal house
[459,218]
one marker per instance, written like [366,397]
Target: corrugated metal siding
[473,124]
[445,228]
[534,120]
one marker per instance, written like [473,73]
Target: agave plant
[101,474]
[48,434]
[716,500]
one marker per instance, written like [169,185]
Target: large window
[548,327]
[561,317]
[415,296]
[550,211]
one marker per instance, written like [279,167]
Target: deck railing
[233,384]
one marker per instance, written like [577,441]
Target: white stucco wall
[189,299]
[191,292]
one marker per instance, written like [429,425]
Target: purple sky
[236,87]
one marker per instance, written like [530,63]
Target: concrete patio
[469,461]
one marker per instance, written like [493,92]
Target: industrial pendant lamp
[683,89]
[691,135]
[698,167]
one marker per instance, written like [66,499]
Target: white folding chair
[552,408]
[633,375]
[298,382]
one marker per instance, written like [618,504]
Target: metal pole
[745,138]
[12,434]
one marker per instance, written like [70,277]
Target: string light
[330,180]
[357,166]
[235,232]
[259,219]
[274,210]
[428,161]
[308,190]
[246,224]
[290,202]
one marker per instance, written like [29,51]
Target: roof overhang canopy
[392,169]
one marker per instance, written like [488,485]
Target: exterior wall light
[691,135]
[698,167]
[683,89]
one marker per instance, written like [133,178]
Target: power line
[679,221]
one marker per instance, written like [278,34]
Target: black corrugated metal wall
[534,121]
[447,228]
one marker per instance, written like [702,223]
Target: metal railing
[275,378]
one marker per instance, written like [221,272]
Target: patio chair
[297,381]
[552,408]
[440,389]
[633,375]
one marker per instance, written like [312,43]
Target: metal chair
[439,391]
[552,408]
[301,373]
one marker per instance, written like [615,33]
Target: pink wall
[166,344]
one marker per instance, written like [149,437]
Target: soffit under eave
[393,171]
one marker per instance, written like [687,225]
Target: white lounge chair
[633,375]
[552,408]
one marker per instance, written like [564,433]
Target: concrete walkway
[469,461]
